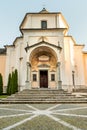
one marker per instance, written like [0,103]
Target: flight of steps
[44,96]
[80,90]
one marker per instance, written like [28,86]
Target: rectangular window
[52,77]
[34,77]
[73,78]
[44,24]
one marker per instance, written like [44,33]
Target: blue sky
[12,13]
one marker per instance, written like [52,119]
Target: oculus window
[44,24]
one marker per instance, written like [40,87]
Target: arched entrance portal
[43,68]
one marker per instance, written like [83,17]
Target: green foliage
[1,85]
[12,83]
[9,85]
[16,80]
[12,86]
[3,96]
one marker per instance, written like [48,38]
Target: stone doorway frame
[45,74]
[43,69]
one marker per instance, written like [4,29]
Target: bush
[9,85]
[13,83]
[1,85]
[12,86]
[16,80]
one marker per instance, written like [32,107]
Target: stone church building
[45,55]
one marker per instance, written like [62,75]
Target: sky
[12,13]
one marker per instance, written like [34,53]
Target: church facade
[45,55]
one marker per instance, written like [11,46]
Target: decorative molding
[34,71]
[43,58]
[52,71]
[44,66]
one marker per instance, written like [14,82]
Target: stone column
[59,66]
[28,75]
[59,76]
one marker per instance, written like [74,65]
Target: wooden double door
[43,79]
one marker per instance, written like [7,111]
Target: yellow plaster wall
[2,66]
[85,66]
[52,84]
[34,84]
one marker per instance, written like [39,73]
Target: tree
[13,83]
[12,86]
[16,80]
[9,85]
[1,84]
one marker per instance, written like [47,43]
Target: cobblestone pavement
[43,117]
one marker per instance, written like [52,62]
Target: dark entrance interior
[43,79]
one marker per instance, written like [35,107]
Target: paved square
[43,117]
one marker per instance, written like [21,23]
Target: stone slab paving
[43,117]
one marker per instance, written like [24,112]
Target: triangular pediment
[42,43]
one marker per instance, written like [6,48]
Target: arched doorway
[43,67]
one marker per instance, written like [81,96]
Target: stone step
[53,96]
[44,96]
[41,91]
[84,90]
[43,101]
